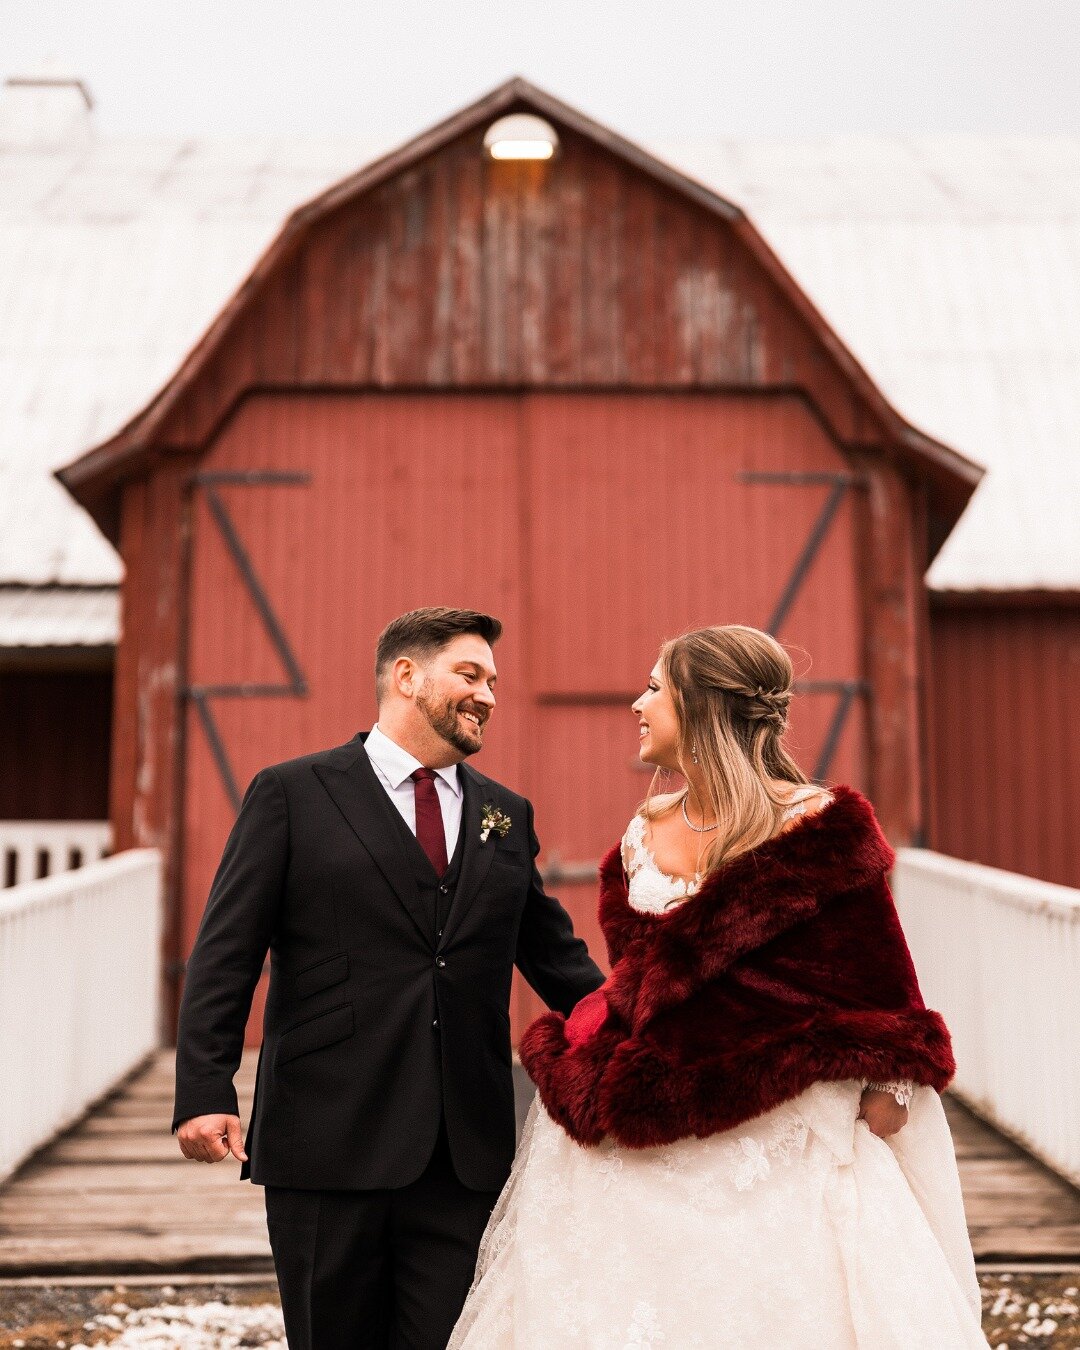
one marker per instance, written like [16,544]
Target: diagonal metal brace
[297,686]
[847,691]
[274,630]
[840,482]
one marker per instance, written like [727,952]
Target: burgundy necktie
[429,822]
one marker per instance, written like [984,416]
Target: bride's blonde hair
[731,686]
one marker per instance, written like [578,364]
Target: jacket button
[435,1023]
[440,962]
[445,890]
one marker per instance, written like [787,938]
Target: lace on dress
[653,891]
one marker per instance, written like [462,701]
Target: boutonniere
[493,819]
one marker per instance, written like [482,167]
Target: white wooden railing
[31,849]
[998,955]
[80,958]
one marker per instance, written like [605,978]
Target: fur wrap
[787,967]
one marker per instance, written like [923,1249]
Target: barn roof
[94,478]
[59,616]
[950,268]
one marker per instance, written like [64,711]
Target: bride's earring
[693,753]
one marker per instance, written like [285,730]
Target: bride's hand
[882,1112]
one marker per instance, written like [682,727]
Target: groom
[395,889]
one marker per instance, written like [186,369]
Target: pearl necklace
[698,829]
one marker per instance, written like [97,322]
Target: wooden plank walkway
[1017,1209]
[114,1196]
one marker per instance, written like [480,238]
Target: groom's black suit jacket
[377,1024]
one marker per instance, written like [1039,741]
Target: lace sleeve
[632,842]
[902,1089]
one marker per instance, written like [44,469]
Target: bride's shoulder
[807,800]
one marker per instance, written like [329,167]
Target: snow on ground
[175,1326]
[1022,1310]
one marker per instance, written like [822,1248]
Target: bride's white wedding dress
[799,1230]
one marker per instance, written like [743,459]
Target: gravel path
[1041,1311]
[210,1316]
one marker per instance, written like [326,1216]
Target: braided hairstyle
[731,686]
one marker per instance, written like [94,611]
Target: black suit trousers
[380,1269]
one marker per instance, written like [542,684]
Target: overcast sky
[670,71]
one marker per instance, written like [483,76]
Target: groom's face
[457,694]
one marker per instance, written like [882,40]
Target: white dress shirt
[393,767]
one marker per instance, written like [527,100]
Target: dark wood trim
[44,659]
[1018,599]
[925,834]
[172,966]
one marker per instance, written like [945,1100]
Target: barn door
[593,525]
[315,520]
[653,514]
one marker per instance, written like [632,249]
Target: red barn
[581,393]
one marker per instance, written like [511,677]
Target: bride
[737,1141]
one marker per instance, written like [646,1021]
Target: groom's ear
[405,677]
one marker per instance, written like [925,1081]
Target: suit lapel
[475,856]
[362,800]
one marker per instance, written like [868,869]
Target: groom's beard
[444,718]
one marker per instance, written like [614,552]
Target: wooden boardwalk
[1017,1209]
[114,1196]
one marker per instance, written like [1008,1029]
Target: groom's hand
[211,1138]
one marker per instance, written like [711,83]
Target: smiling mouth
[474,719]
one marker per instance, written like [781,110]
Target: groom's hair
[423,632]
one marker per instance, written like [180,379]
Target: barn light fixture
[521,136]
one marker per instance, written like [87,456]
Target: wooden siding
[54,744]
[147,748]
[461,271]
[1007,762]
[535,389]
[593,525]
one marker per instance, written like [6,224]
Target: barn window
[521,136]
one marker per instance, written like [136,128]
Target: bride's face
[658,723]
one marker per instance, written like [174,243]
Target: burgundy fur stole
[787,967]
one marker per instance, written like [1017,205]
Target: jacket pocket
[316,1033]
[323,974]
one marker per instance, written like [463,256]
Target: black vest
[436,893]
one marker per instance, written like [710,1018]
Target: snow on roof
[950,268]
[59,616]
[115,256]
